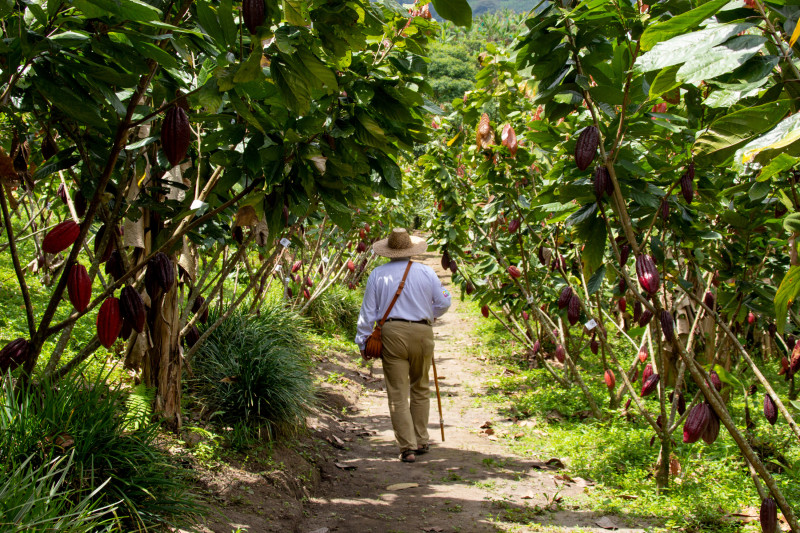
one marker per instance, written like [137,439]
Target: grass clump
[257,370]
[110,464]
[336,311]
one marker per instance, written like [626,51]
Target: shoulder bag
[374,344]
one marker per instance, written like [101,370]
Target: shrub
[257,369]
[336,311]
[86,418]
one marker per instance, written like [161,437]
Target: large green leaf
[122,9]
[679,24]
[786,133]
[457,11]
[787,291]
[721,59]
[685,48]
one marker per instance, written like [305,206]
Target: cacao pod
[445,260]
[647,372]
[525,315]
[768,515]
[665,209]
[470,288]
[131,307]
[513,226]
[696,423]
[175,135]
[306,294]
[289,293]
[643,354]
[635,376]
[160,275]
[79,201]
[628,404]
[624,253]
[647,273]
[711,432]
[561,354]
[649,385]
[351,266]
[485,311]
[709,300]
[681,402]
[751,318]
[110,246]
[573,310]
[602,183]
[61,237]
[367,227]
[309,281]
[79,287]
[62,193]
[594,346]
[296,266]
[647,315]
[772,329]
[114,266]
[198,303]
[622,286]
[667,325]
[770,410]
[253,13]
[610,379]
[238,235]
[14,354]
[192,336]
[622,304]
[361,247]
[362,233]
[514,272]
[637,311]
[586,147]
[784,366]
[537,345]
[687,184]
[453,266]
[564,297]
[713,377]
[125,331]
[109,322]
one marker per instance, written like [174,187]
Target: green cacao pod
[61,237]
[79,287]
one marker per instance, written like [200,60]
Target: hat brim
[418,246]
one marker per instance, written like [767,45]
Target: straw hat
[400,244]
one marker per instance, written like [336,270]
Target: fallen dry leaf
[401,486]
[486,424]
[344,466]
[606,523]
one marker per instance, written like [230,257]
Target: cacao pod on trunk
[79,287]
[637,311]
[610,379]
[602,183]
[61,237]
[768,516]
[175,135]
[687,184]
[709,300]
[647,273]
[62,193]
[643,354]
[696,422]
[561,354]
[711,431]
[160,275]
[296,266]
[192,336]
[573,310]
[79,201]
[131,307]
[647,316]
[564,297]
[110,246]
[14,354]
[537,345]
[109,322]
[253,13]
[713,377]
[114,266]
[667,325]
[125,331]
[647,372]
[649,385]
[770,410]
[594,346]
[586,147]
[624,253]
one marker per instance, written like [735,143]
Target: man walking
[407,334]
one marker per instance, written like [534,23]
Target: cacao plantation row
[623,139]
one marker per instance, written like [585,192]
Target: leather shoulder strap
[396,294]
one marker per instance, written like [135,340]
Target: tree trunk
[162,364]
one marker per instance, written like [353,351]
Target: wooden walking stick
[438,398]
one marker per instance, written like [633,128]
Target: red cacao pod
[309,281]
[110,245]
[306,294]
[175,135]
[192,336]
[768,515]
[513,225]
[647,372]
[649,385]
[573,310]
[643,354]
[361,247]
[351,266]
[114,266]
[667,325]
[79,287]
[751,318]
[367,227]
[109,322]
[586,147]
[594,346]
[62,193]
[537,345]
[131,307]
[711,432]
[770,410]
[647,315]
[610,379]
[784,366]
[514,272]
[61,237]
[564,297]
[14,354]
[709,300]
[624,253]
[687,184]
[713,377]
[696,422]
[485,311]
[508,136]
[296,266]
[637,310]
[254,12]
[628,404]
[602,183]
[647,273]
[362,233]
[561,354]
[622,304]
[525,315]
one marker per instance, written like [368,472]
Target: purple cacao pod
[770,410]
[647,273]
[696,423]
[573,310]
[564,297]
[687,184]
[768,516]
[14,354]
[649,385]
[667,325]
[586,147]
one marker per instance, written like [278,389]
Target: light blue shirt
[423,296]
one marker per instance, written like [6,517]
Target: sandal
[407,456]
[425,448]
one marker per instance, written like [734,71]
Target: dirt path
[469,483]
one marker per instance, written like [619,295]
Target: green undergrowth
[616,452]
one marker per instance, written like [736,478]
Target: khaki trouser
[407,355]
